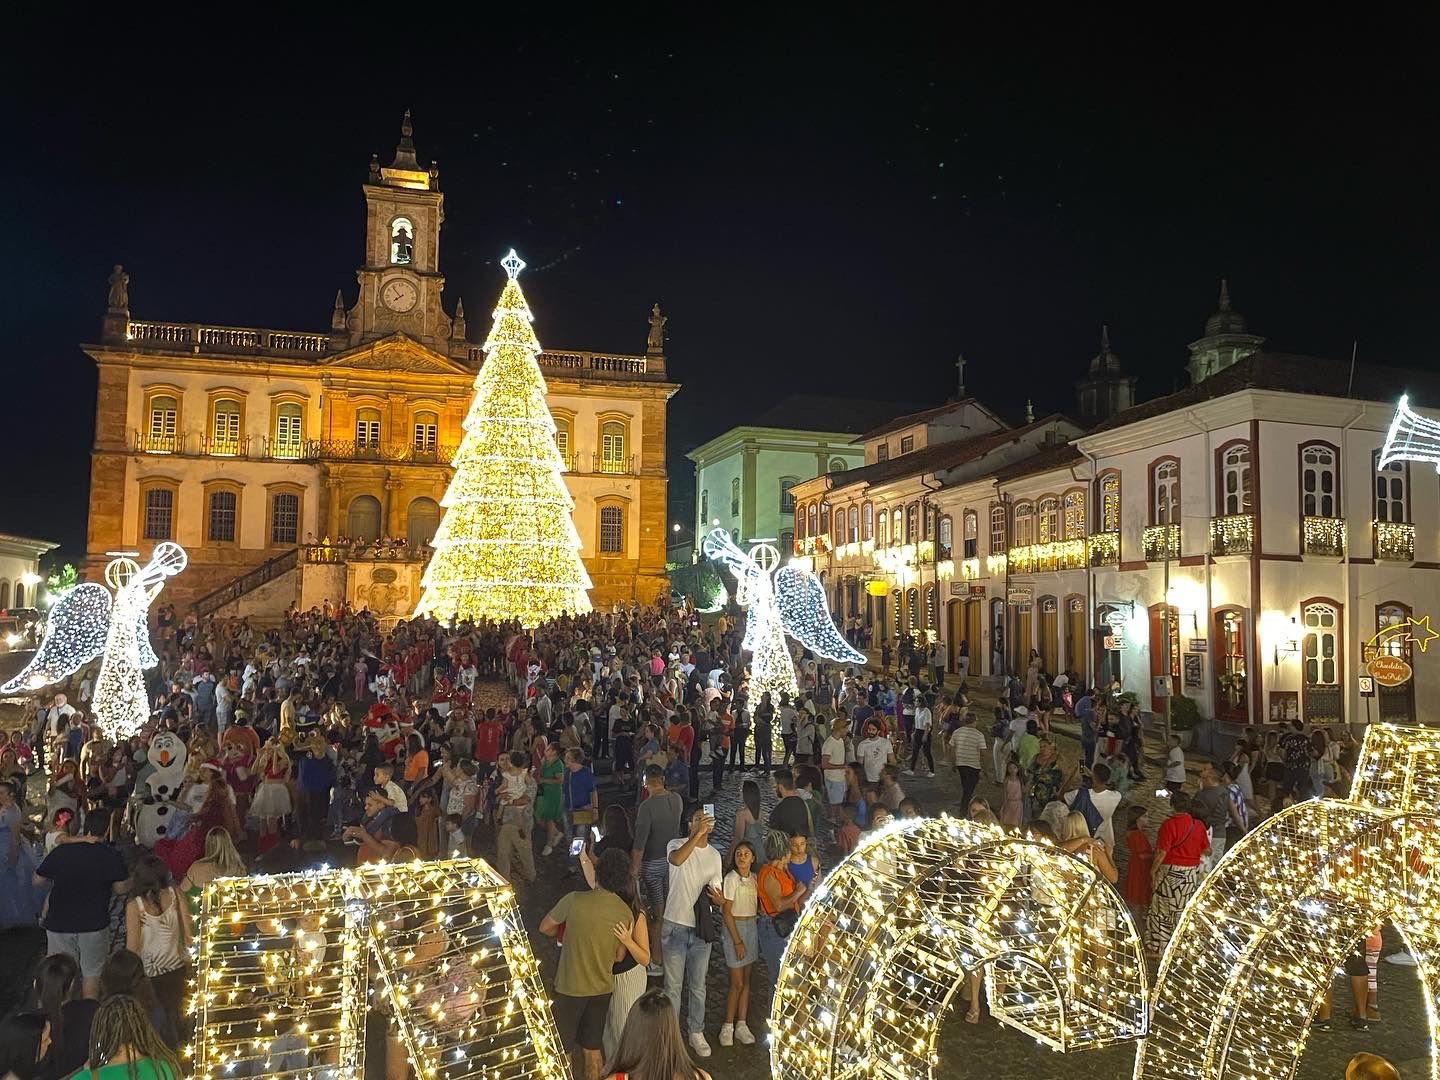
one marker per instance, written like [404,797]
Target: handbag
[784,921]
[705,928]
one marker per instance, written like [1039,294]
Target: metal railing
[1394,541]
[1161,542]
[1054,555]
[197,444]
[199,336]
[1324,536]
[344,550]
[596,363]
[1105,549]
[1233,534]
[247,582]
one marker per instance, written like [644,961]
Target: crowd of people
[421,739]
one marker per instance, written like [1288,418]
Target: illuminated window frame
[216,491]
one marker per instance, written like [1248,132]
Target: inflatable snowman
[158,813]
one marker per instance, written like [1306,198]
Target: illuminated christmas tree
[507,546]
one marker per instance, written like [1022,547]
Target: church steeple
[1227,340]
[1106,389]
[405,148]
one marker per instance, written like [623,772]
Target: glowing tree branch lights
[507,546]
[778,600]
[88,622]
[281,983]
[1257,947]
[887,939]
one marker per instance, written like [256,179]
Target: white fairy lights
[281,974]
[879,950]
[1412,437]
[1259,943]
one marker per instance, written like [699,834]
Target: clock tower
[400,281]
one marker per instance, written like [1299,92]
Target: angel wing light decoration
[778,600]
[89,622]
[1412,437]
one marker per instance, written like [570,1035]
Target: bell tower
[400,281]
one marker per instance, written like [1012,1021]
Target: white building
[20,570]
[1249,504]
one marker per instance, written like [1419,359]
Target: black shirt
[83,874]
[790,816]
[77,1016]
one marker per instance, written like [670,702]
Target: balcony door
[1049,635]
[1158,651]
[1229,657]
[363,521]
[1397,703]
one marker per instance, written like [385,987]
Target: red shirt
[1183,839]
[683,736]
[487,741]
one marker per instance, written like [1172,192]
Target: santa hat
[211,763]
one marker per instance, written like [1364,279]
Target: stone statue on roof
[119,299]
[655,341]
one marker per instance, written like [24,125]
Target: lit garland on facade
[1233,534]
[879,950]
[1160,539]
[506,547]
[282,974]
[1324,535]
[1258,946]
[1104,548]
[88,622]
[1394,541]
[1054,555]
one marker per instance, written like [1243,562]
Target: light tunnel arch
[1256,948]
[887,940]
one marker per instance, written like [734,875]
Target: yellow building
[258,449]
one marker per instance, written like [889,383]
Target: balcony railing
[1324,536]
[198,337]
[1394,541]
[1161,542]
[1233,534]
[258,447]
[1105,549]
[1042,558]
[969,569]
[604,364]
[343,550]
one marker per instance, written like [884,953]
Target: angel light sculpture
[778,600]
[88,622]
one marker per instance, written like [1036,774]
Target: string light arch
[1258,945]
[881,948]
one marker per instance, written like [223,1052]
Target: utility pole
[1165,636]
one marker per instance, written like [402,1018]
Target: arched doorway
[1075,635]
[974,615]
[1022,636]
[1232,670]
[1158,667]
[954,632]
[424,519]
[1396,703]
[1050,635]
[363,520]
[997,637]
[1109,640]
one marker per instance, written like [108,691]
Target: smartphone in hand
[709,809]
[576,846]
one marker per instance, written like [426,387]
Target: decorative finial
[1224,295]
[960,367]
[457,324]
[1104,338]
[513,264]
[1029,411]
[405,148]
[460,308]
[337,317]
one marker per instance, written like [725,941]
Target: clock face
[399,295]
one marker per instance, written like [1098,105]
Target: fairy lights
[881,947]
[506,547]
[1412,437]
[1259,943]
[282,975]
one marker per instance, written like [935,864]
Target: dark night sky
[835,206]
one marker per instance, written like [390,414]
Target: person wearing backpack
[1098,803]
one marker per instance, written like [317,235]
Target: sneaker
[727,1034]
[1321,1025]
[1359,1023]
[546,850]
[931,774]
[743,1035]
[699,1045]
[654,971]
[909,772]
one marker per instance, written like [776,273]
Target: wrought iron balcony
[1043,558]
[1161,542]
[1233,534]
[1105,549]
[1394,541]
[1324,536]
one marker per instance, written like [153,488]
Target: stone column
[332,507]
[749,456]
[394,523]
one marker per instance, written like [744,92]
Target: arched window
[164,424]
[1110,502]
[1048,513]
[867,522]
[735,496]
[824,520]
[612,447]
[1321,656]
[705,512]
[285,517]
[811,514]
[289,430]
[945,535]
[1319,481]
[225,427]
[997,529]
[612,530]
[912,523]
[837,464]
[882,528]
[4,594]
[422,521]
[367,429]
[787,500]
[1235,479]
[220,520]
[852,534]
[1392,487]
[427,433]
[897,525]
[563,441]
[1075,526]
[364,518]
[19,594]
[159,518]
[1024,524]
[838,527]
[971,523]
[402,241]
[1165,492]
[927,521]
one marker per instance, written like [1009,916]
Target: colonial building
[743,476]
[20,569]
[1234,542]
[259,449]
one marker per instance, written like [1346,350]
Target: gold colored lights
[289,965]
[882,945]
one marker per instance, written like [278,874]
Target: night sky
[835,205]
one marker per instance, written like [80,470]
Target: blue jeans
[687,960]
[772,947]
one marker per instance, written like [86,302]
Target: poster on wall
[1284,706]
[1194,671]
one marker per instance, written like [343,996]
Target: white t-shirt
[740,891]
[922,718]
[966,746]
[700,870]
[1175,766]
[1105,802]
[873,753]
[834,749]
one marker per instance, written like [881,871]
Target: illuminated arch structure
[1257,947]
[289,963]
[888,938]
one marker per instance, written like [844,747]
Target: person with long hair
[19,899]
[650,1046]
[749,825]
[628,978]
[740,940]
[217,808]
[272,801]
[20,1039]
[220,860]
[124,973]
[66,1038]
[124,1045]
[157,928]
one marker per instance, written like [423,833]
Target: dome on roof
[1225,320]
